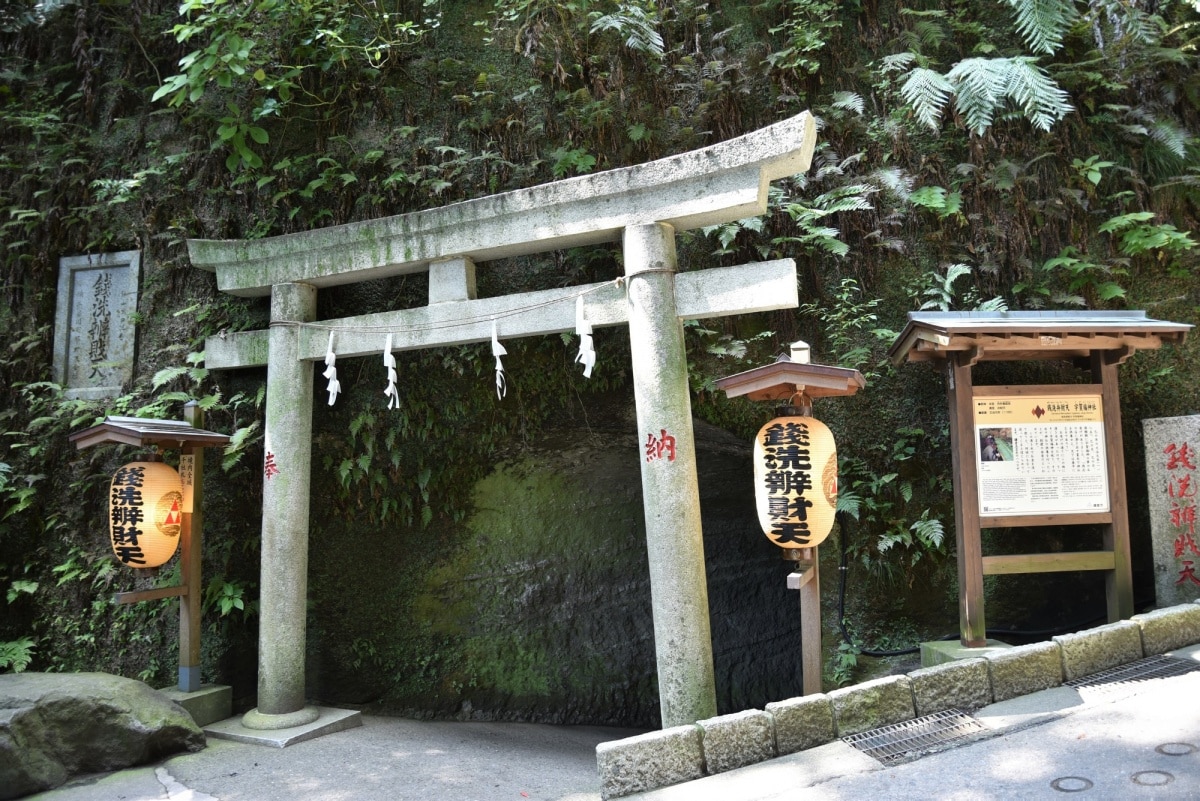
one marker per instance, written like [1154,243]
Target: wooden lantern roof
[784,377]
[142,431]
[1012,336]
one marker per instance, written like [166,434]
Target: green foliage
[1138,236]
[840,667]
[225,596]
[940,294]
[1043,23]
[16,655]
[278,53]
[898,495]
[982,87]
[1091,168]
[850,326]
[806,31]
[1085,279]
[637,25]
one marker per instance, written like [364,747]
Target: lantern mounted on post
[795,475]
[155,510]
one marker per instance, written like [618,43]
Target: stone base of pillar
[268,722]
[328,720]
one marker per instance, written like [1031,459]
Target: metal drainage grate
[912,738]
[1129,676]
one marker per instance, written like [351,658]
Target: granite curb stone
[651,760]
[962,685]
[802,723]
[812,721]
[1167,629]
[1025,669]
[737,740]
[1101,648]
[875,703]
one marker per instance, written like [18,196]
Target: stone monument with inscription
[94,326]
[1173,477]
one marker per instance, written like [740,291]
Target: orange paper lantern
[145,513]
[795,481]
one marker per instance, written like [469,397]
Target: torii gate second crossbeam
[641,206]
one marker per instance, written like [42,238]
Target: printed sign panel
[1041,454]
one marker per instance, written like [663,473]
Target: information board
[1041,454]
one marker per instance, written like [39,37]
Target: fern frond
[895,180]
[929,34]
[927,92]
[850,101]
[1042,23]
[1168,134]
[897,62]
[845,198]
[1039,97]
[638,28]
[978,85]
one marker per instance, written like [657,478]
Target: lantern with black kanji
[145,513]
[795,480]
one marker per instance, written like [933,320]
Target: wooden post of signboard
[1118,582]
[960,392]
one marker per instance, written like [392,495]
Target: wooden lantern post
[191,440]
[788,377]
[1063,441]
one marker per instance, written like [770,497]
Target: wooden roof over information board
[1011,336]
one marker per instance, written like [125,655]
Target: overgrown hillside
[1032,154]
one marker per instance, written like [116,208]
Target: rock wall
[539,609]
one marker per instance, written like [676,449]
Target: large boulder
[55,725]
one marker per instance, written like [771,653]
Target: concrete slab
[939,652]
[330,721]
[1027,710]
[781,777]
[1192,652]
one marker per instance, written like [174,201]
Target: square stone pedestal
[212,702]
[329,721]
[940,652]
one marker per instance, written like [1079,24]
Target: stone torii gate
[642,207]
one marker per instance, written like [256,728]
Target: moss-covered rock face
[539,608]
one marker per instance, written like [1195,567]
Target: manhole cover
[1152,778]
[1132,674]
[912,738]
[1072,784]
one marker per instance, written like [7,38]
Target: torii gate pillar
[670,487]
[283,598]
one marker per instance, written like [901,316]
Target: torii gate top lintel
[717,184]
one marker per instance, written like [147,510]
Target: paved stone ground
[1141,740]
